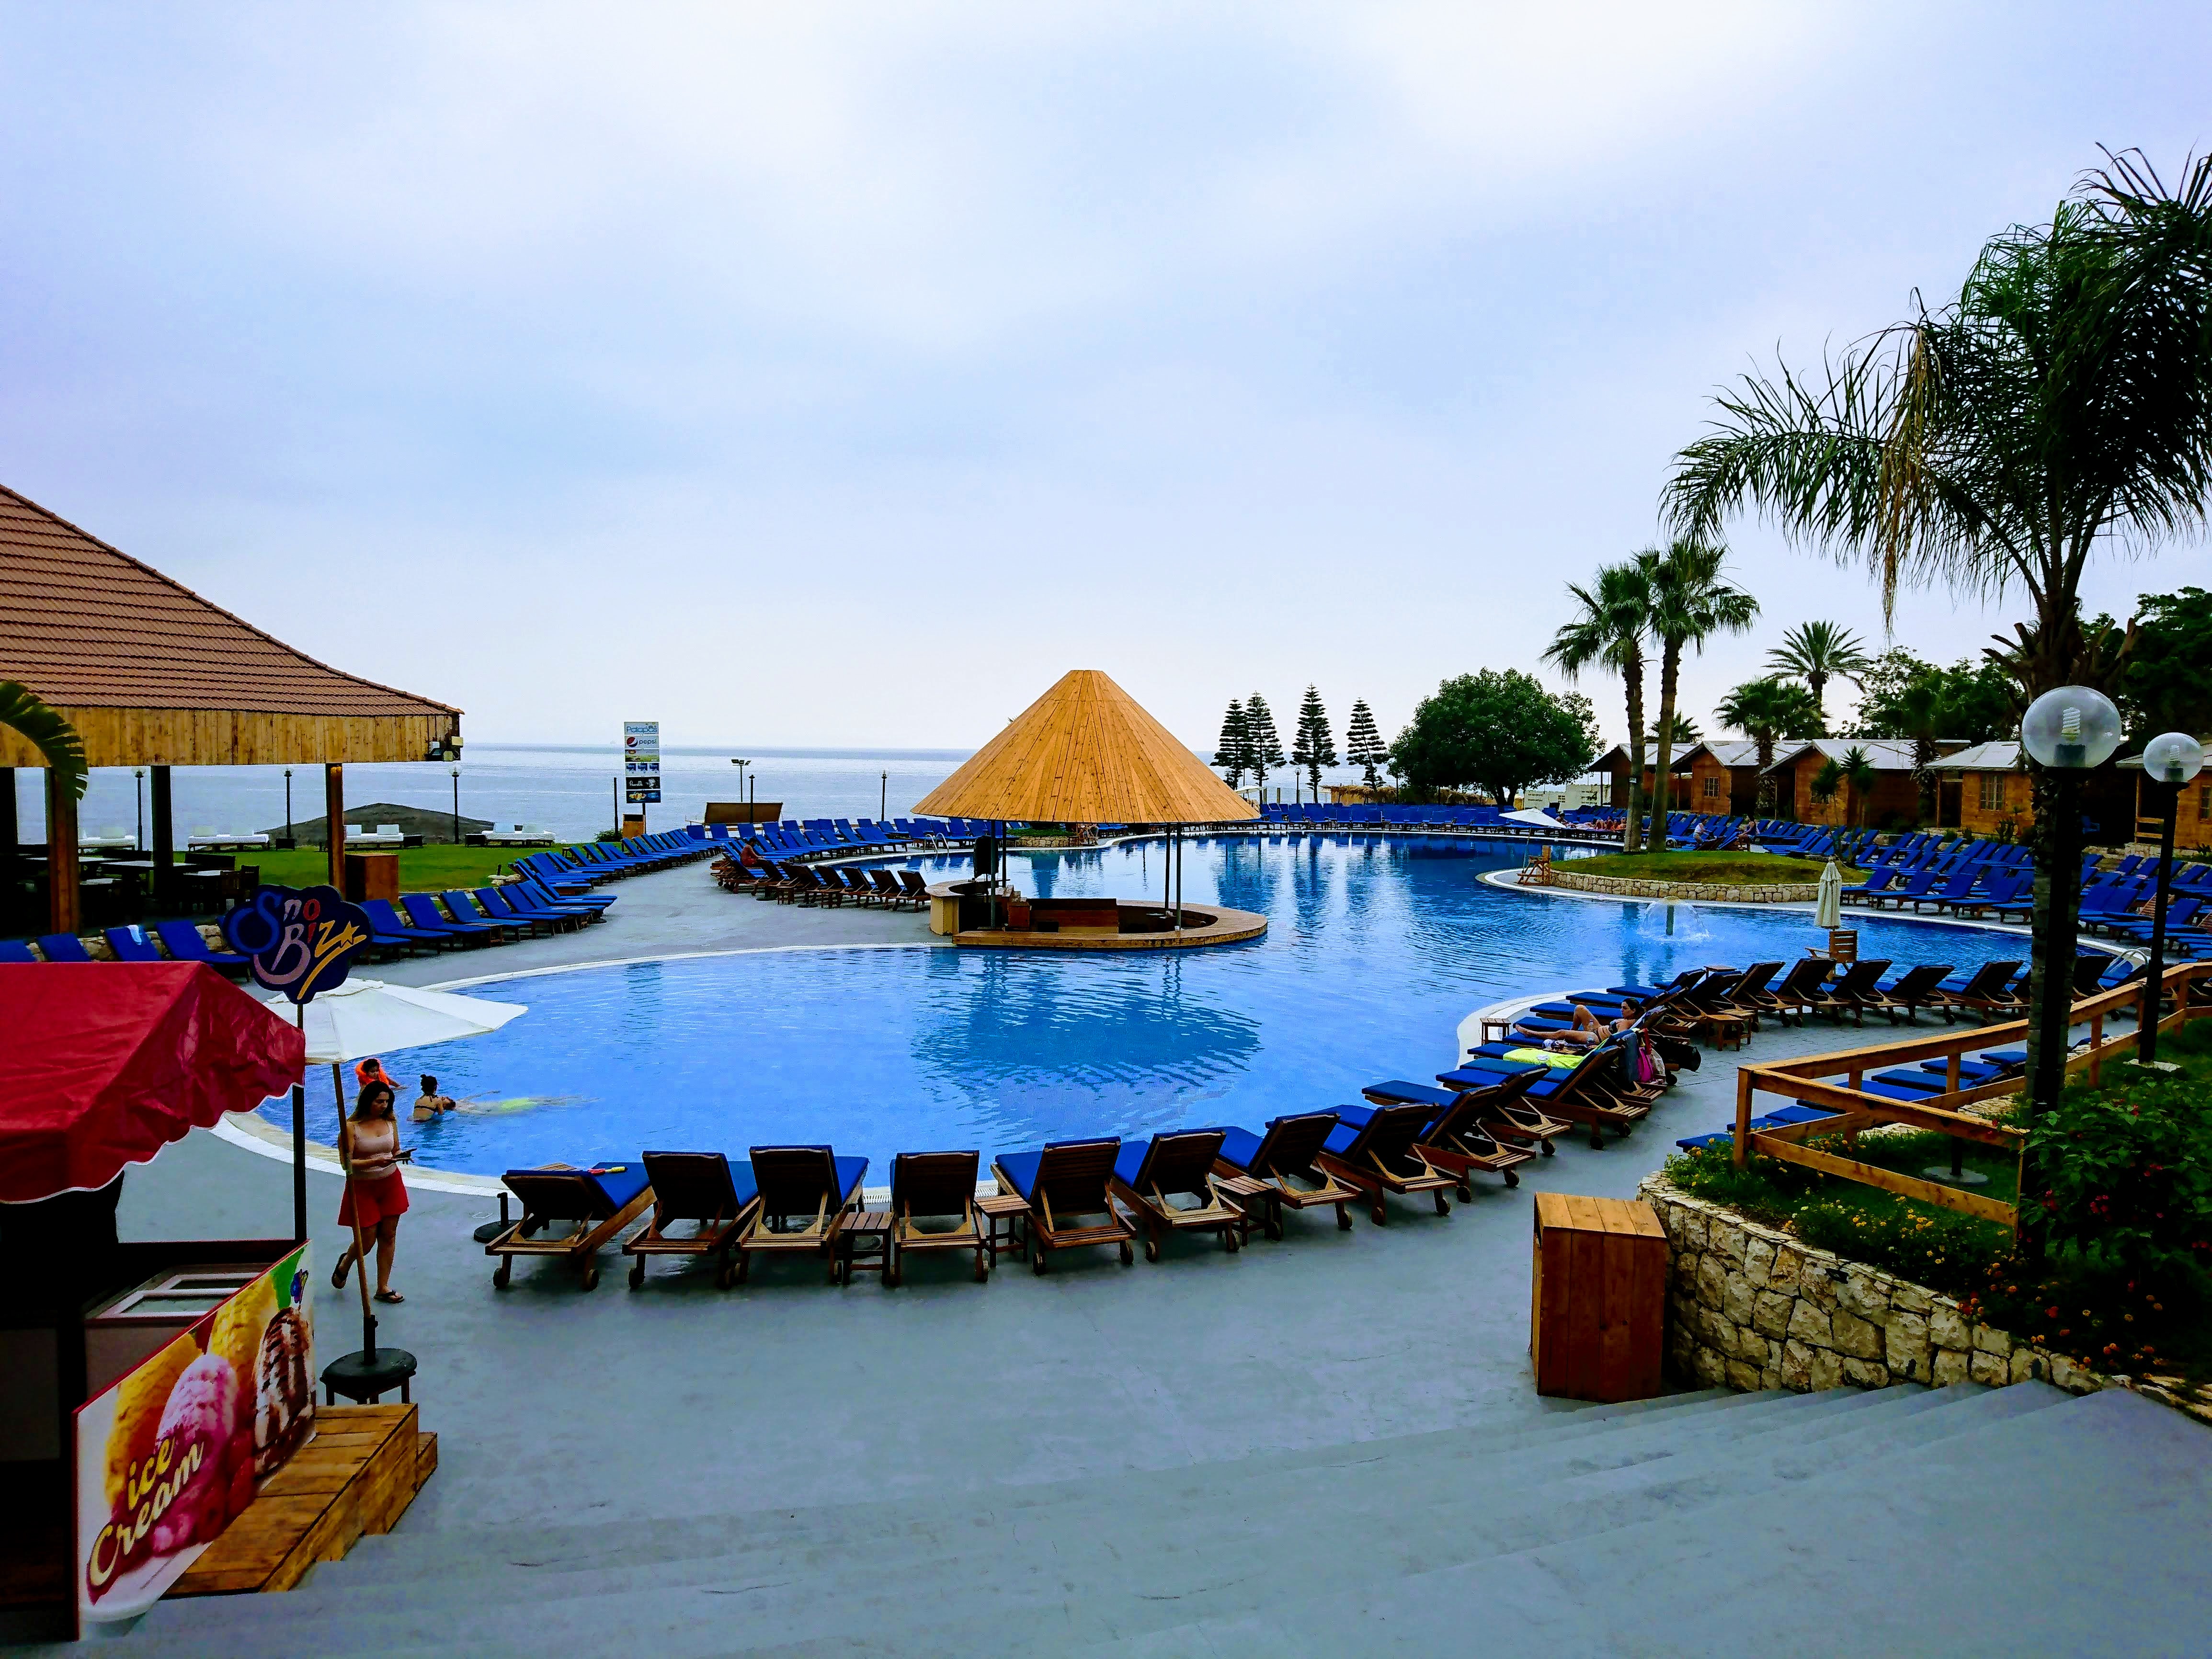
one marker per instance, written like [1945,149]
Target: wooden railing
[1802,1080]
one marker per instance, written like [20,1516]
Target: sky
[842,375]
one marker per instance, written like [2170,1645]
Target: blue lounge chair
[183,943]
[63,947]
[15,951]
[1063,1182]
[389,927]
[1384,1156]
[703,1191]
[1284,1163]
[462,908]
[131,946]
[597,1203]
[1150,1175]
[807,1193]
[498,901]
[424,915]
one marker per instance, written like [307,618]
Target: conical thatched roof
[1085,753]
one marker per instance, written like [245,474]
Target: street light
[457,806]
[138,787]
[289,838]
[2066,731]
[884,802]
[741,766]
[2170,761]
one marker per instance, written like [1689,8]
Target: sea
[571,790]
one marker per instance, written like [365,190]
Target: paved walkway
[621,1405]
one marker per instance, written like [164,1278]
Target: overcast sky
[843,374]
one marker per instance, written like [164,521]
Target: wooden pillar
[164,853]
[62,914]
[334,834]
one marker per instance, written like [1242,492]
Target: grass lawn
[1730,867]
[422,869]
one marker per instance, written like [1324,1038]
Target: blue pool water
[1376,950]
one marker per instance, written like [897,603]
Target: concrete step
[1147,1568]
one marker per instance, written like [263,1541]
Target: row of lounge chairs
[1227,1182]
[830,885]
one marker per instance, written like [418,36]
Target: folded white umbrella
[365,1016]
[1535,816]
[1828,906]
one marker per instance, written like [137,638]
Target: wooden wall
[215,737]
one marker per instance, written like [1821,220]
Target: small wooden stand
[1006,1221]
[1598,1301]
[357,1475]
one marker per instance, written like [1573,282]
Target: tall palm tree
[22,712]
[1816,652]
[1690,603]
[1608,633]
[1767,711]
[2060,405]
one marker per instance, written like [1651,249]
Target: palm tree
[1816,652]
[22,712]
[1683,731]
[1690,603]
[2060,405]
[1767,711]
[1608,633]
[1856,769]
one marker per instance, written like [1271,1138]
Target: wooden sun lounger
[1522,1121]
[700,1188]
[935,1184]
[1985,993]
[1063,1182]
[1279,1167]
[809,1186]
[1917,989]
[599,1202]
[1380,1156]
[1146,1178]
[1457,1139]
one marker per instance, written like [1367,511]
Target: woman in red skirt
[375,1196]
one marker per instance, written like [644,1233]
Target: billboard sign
[642,762]
[302,940]
[171,1452]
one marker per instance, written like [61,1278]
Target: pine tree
[1231,749]
[1264,751]
[1313,746]
[1363,744]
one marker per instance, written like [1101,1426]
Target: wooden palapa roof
[150,673]
[1086,753]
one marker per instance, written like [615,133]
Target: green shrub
[1935,1248]
[2126,1172]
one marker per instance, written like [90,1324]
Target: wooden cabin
[1984,789]
[1895,795]
[1722,778]
[2192,808]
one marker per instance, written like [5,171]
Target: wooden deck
[357,1475]
[1221,926]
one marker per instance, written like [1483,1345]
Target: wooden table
[1597,1297]
[855,1256]
[1005,1225]
[1269,1211]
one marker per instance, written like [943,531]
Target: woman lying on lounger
[1589,1030]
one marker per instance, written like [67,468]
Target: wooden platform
[1222,926]
[357,1475]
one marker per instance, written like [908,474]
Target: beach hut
[150,674]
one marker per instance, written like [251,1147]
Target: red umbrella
[104,1064]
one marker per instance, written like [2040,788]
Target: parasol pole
[299,1139]
[359,1251]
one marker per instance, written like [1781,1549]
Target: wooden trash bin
[1598,1304]
[372,876]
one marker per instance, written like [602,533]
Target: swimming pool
[1376,948]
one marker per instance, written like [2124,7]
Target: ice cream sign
[173,1451]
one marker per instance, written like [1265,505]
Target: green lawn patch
[1735,869]
[422,869]
[2125,1283]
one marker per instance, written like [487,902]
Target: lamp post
[2067,733]
[138,787]
[288,836]
[457,806]
[741,766]
[2170,761]
[883,800]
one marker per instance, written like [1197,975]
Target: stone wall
[1753,1306]
[1688,892]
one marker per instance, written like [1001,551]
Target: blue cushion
[1021,1168]
[619,1183]
[1799,1113]
[741,1177]
[849,1171]
[2005,1056]
[1931,1083]
[1129,1162]
[1342,1137]
[1238,1146]
[1398,1092]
